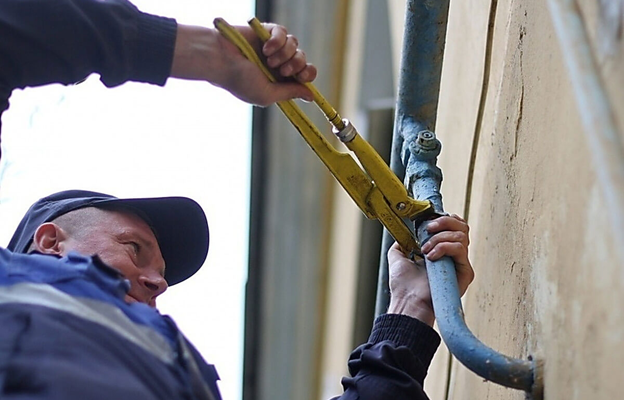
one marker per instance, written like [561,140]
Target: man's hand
[409,286]
[204,54]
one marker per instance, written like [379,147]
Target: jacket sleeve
[393,363]
[64,41]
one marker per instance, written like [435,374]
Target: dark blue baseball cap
[179,224]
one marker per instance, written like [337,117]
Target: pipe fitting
[347,133]
[426,147]
[427,140]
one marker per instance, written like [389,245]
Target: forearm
[412,306]
[199,55]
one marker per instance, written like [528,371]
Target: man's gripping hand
[409,286]
[204,54]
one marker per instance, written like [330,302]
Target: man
[81,275]
[78,289]
[77,312]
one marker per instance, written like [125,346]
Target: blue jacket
[67,333]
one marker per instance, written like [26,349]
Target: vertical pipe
[417,148]
[417,102]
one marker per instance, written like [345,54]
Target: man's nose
[154,283]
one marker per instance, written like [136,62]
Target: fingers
[448,223]
[457,250]
[282,53]
[278,39]
[438,241]
[451,239]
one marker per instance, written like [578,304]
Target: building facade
[519,164]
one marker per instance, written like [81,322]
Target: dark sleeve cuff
[154,49]
[402,330]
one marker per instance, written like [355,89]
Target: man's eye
[135,247]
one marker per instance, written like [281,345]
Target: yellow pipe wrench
[376,189]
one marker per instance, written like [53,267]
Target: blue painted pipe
[470,351]
[424,178]
[414,154]
[417,101]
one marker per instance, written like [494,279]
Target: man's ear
[48,239]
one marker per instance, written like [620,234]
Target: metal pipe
[603,139]
[424,178]
[417,102]
[414,154]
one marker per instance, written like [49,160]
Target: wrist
[413,307]
[196,54]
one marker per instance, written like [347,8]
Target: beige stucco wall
[549,280]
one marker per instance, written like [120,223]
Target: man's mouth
[131,299]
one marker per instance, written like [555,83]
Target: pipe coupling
[347,133]
[426,146]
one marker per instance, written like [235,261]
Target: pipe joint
[423,178]
[426,147]
[347,133]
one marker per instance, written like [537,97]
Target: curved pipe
[424,178]
[470,351]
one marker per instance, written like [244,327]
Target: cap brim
[181,228]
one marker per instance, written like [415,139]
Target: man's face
[125,242]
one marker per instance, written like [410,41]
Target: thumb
[291,90]
[394,254]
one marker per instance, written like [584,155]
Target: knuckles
[451,237]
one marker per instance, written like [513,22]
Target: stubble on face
[123,241]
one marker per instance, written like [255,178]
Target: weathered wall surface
[549,281]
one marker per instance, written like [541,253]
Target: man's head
[151,241]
